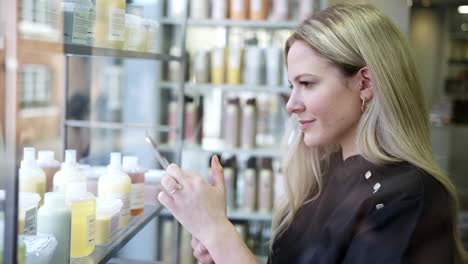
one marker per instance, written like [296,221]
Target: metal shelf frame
[202,87]
[81,50]
[114,125]
[238,215]
[268,24]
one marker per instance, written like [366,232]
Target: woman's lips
[306,123]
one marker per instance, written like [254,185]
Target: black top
[368,214]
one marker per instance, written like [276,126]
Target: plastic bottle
[191,115]
[31,177]
[239,9]
[232,125]
[107,218]
[172,121]
[259,9]
[21,248]
[137,175]
[27,213]
[117,184]
[199,9]
[109,31]
[254,66]
[218,66]
[54,218]
[229,167]
[281,10]
[250,185]
[219,9]
[201,66]
[69,171]
[249,124]
[50,166]
[83,223]
[307,8]
[234,65]
[76,16]
[273,66]
[265,186]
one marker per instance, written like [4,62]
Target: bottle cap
[54,199]
[115,161]
[230,162]
[251,101]
[252,163]
[267,163]
[45,155]
[130,162]
[29,158]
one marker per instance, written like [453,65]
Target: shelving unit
[236,215]
[103,253]
[265,24]
[115,125]
[80,50]
[206,87]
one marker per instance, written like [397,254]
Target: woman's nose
[294,104]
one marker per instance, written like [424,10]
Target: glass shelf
[236,215]
[269,24]
[258,152]
[80,50]
[104,253]
[201,87]
[114,125]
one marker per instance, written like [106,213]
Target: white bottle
[249,124]
[219,9]
[69,171]
[273,66]
[54,218]
[50,166]
[232,125]
[117,184]
[31,177]
[265,186]
[199,9]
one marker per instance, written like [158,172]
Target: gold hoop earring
[363,106]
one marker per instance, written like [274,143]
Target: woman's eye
[306,84]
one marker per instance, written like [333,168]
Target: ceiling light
[463,9]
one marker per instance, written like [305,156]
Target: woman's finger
[204,258]
[218,173]
[169,184]
[176,172]
[166,200]
[194,243]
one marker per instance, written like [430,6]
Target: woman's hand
[201,253]
[197,205]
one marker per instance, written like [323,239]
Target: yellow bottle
[117,184]
[218,66]
[109,29]
[31,177]
[234,65]
[107,219]
[83,222]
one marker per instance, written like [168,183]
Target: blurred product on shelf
[249,124]
[250,186]
[153,186]
[83,223]
[117,184]
[137,175]
[40,20]
[36,83]
[265,186]
[39,249]
[199,9]
[274,66]
[27,213]
[68,172]
[229,166]
[201,66]
[93,177]
[175,67]
[50,166]
[258,9]
[185,248]
[242,229]
[232,124]
[151,31]
[31,177]
[307,8]
[167,243]
[107,218]
[235,62]
[254,73]
[239,9]
[176,9]
[54,218]
[21,250]
[218,65]
[172,121]
[109,31]
[76,21]
[219,9]
[281,10]
[135,33]
[191,120]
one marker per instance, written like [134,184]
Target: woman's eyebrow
[305,74]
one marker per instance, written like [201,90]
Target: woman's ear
[365,83]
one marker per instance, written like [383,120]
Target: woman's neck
[349,147]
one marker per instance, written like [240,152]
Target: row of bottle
[251,65]
[119,197]
[277,10]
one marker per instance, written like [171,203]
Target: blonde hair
[351,36]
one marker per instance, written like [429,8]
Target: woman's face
[326,102]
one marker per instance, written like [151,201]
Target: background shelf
[258,152]
[104,253]
[236,215]
[269,24]
[203,87]
[114,125]
[81,50]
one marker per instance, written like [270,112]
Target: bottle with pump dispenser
[117,184]
[83,219]
[69,171]
[50,166]
[31,177]
[54,217]
[137,175]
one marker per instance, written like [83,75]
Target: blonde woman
[361,182]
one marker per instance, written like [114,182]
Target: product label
[113,225]
[116,24]
[125,198]
[137,200]
[30,221]
[80,26]
[91,21]
[91,230]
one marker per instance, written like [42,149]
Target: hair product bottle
[265,186]
[110,24]
[201,66]
[137,175]
[259,9]
[47,162]
[191,120]
[239,9]
[218,66]
[274,65]
[254,73]
[250,185]
[107,218]
[54,217]
[219,9]
[281,10]
[229,167]
[83,219]
[69,171]
[199,9]
[249,124]
[27,213]
[31,177]
[117,184]
[234,65]
[307,8]
[232,125]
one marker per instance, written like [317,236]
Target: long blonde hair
[351,36]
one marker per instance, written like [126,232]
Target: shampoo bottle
[69,172]
[137,175]
[50,166]
[31,177]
